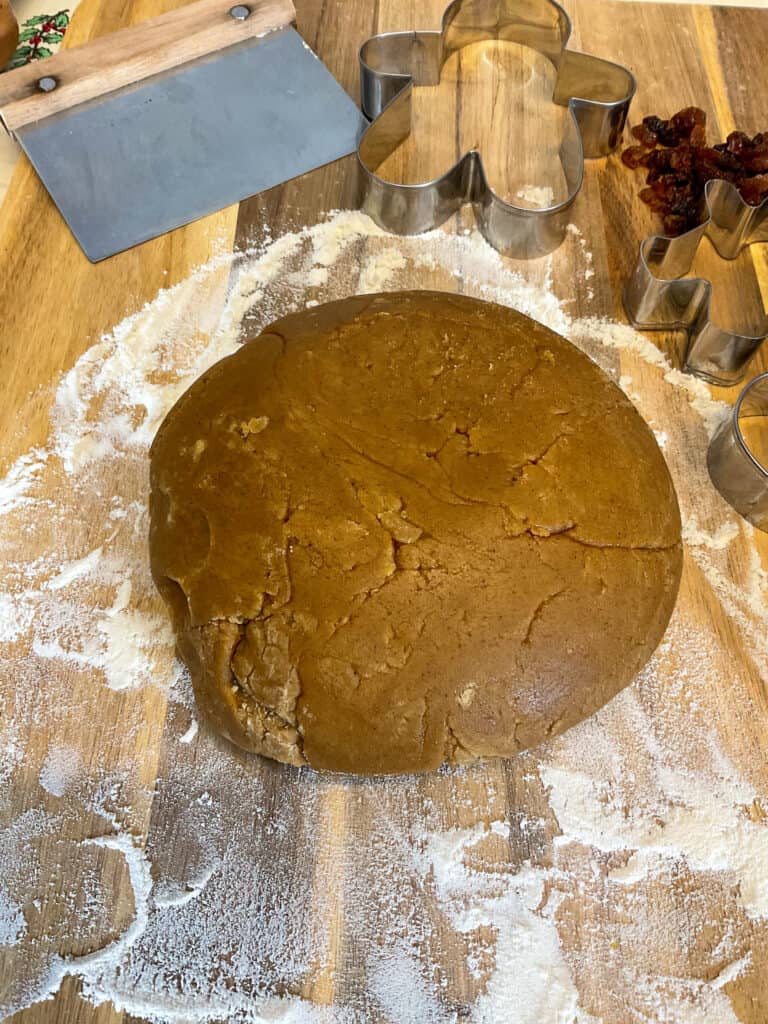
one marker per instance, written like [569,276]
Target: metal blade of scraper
[182,144]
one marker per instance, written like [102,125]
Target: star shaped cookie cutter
[657,296]
[597,93]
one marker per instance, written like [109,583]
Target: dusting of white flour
[231,889]
[60,768]
[537,196]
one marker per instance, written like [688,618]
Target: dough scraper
[147,129]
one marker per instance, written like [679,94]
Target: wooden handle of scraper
[133,54]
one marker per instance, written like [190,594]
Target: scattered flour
[626,338]
[705,825]
[535,983]
[378,270]
[227,883]
[538,196]
[191,732]
[60,768]
[694,536]
[123,643]
[12,923]
[74,570]
[16,614]
[22,475]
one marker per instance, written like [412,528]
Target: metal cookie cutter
[597,92]
[738,465]
[656,299]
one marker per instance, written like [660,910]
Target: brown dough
[405,529]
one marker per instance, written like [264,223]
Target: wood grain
[130,55]
[55,304]
[44,271]
[9,32]
[522,119]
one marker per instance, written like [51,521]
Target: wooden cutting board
[55,305]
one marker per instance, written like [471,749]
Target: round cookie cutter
[596,91]
[739,472]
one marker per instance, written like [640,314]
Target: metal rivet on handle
[47,84]
[240,12]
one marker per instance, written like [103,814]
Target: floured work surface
[615,875]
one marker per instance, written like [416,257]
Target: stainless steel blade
[143,161]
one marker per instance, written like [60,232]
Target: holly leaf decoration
[22,56]
[36,20]
[28,33]
[32,26]
[38,34]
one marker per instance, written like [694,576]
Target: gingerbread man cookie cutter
[657,296]
[596,91]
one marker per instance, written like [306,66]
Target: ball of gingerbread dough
[407,529]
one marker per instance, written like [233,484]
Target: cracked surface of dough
[407,529]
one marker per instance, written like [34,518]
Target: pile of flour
[616,875]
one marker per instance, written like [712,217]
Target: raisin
[687,121]
[653,199]
[668,136]
[653,125]
[737,142]
[633,156]
[681,161]
[658,164]
[714,163]
[753,153]
[757,162]
[698,135]
[674,224]
[644,135]
[754,190]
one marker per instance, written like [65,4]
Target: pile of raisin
[680,163]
